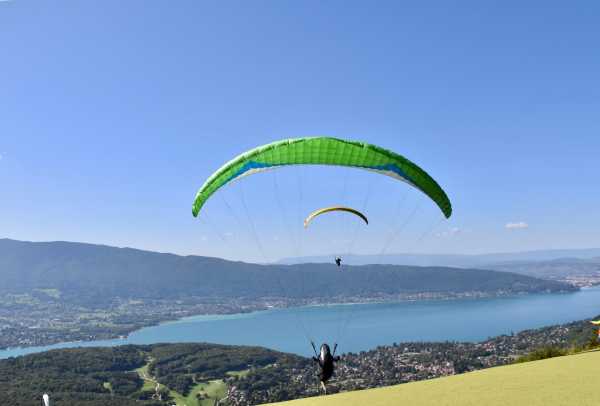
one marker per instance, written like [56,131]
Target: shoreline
[208,317]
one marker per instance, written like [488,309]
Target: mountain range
[454,260]
[80,270]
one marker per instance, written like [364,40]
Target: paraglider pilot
[326,361]
[338,261]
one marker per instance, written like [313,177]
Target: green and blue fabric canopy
[324,151]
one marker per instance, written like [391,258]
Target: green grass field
[108,386]
[561,381]
[239,374]
[149,384]
[215,389]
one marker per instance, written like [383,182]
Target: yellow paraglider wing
[595,322]
[318,212]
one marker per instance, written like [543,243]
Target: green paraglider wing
[323,151]
[318,212]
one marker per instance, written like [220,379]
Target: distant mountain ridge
[453,260]
[565,269]
[101,272]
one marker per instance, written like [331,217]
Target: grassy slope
[569,380]
[239,374]
[149,383]
[215,389]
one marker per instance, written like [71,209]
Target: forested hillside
[85,271]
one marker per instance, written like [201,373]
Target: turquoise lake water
[364,326]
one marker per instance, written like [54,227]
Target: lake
[360,327]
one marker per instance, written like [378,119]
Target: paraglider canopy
[318,212]
[324,151]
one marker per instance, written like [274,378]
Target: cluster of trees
[107,376]
[181,365]
[82,376]
[292,378]
[581,337]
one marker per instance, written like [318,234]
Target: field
[239,374]
[215,389]
[568,380]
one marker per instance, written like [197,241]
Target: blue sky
[113,113]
